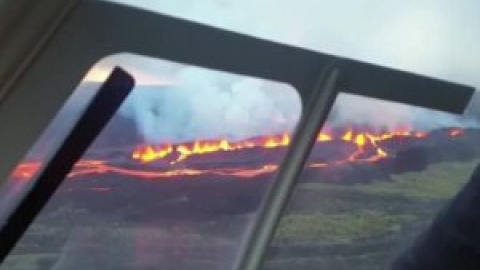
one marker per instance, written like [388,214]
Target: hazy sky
[440,38]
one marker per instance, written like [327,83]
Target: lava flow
[27,170]
[174,158]
[181,152]
[149,153]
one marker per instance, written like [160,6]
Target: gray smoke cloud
[202,103]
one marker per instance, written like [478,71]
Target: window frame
[17,216]
[95,29]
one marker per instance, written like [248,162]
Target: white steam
[379,114]
[210,104]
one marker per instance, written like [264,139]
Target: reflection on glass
[174,179]
[375,178]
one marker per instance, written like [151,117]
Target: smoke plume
[206,104]
[353,110]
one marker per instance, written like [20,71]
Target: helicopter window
[174,179]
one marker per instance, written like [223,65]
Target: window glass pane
[376,176]
[382,32]
[172,182]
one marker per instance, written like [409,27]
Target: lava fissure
[217,157]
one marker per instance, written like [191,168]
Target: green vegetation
[439,181]
[338,227]
[334,213]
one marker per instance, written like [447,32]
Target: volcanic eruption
[248,158]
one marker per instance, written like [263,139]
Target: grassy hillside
[333,225]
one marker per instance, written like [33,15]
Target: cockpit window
[179,176]
[173,181]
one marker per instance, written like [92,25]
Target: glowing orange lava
[455,132]
[26,170]
[180,152]
[368,149]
